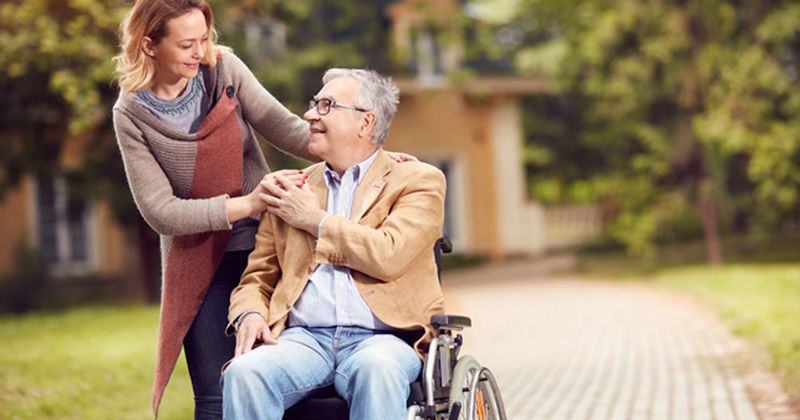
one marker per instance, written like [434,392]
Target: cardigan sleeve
[282,128]
[166,213]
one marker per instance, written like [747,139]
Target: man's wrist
[321,221]
[240,319]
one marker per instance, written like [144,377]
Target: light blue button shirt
[330,298]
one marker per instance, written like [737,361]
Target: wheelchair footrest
[445,321]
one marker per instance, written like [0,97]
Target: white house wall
[518,221]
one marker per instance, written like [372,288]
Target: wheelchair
[451,387]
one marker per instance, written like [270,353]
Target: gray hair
[377,93]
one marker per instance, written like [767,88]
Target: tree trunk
[708,211]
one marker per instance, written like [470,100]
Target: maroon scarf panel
[193,259]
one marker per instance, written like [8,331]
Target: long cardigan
[180,183]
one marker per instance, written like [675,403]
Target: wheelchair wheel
[474,394]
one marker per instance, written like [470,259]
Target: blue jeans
[372,372]
[206,346]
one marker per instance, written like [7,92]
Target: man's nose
[311,114]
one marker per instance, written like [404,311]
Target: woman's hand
[401,157]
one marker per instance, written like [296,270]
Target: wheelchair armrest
[453,322]
[444,245]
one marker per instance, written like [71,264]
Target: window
[426,55]
[63,229]
[455,211]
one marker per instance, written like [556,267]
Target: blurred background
[635,136]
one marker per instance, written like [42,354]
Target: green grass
[87,363]
[758,301]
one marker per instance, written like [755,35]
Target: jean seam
[408,371]
[305,389]
[346,378]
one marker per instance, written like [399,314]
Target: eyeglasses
[324,105]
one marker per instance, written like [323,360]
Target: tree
[686,107]
[56,72]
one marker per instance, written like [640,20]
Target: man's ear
[367,127]
[147,47]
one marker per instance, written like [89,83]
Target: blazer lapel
[317,183]
[371,186]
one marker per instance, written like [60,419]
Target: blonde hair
[149,18]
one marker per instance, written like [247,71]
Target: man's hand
[298,207]
[257,205]
[252,328]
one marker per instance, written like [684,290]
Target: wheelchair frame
[455,388]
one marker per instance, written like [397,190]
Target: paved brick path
[568,348]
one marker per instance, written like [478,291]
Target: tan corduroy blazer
[387,243]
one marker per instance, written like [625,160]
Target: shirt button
[230,91]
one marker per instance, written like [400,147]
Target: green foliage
[56,70]
[69,42]
[663,103]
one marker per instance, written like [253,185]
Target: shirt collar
[357,169]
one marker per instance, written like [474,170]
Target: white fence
[545,229]
[569,226]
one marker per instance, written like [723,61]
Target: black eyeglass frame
[315,103]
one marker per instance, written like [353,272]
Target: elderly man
[342,282]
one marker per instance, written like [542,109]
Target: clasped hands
[287,196]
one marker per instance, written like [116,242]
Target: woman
[184,123]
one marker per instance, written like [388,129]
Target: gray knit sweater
[166,167]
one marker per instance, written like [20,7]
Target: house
[77,239]
[472,129]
